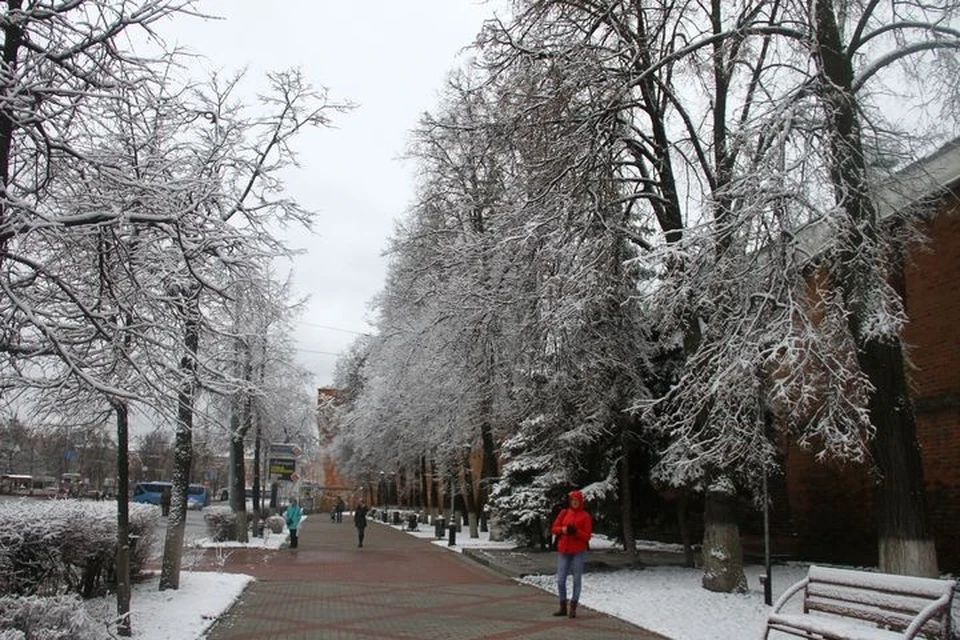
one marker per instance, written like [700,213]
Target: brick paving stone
[396,586]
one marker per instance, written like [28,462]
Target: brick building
[329,483]
[828,509]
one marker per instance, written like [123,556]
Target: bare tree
[242,197]
[855,54]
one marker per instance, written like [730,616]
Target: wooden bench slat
[833,628]
[875,616]
[908,585]
[908,604]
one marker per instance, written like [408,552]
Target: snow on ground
[668,600]
[180,614]
[203,596]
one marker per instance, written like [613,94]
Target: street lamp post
[381,489]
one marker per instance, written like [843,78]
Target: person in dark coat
[165,498]
[339,508]
[360,521]
[573,526]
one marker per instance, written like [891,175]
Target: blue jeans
[565,563]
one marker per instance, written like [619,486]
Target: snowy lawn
[668,600]
[203,596]
[181,614]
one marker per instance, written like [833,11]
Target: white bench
[861,605]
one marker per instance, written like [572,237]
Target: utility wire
[326,353]
[328,327]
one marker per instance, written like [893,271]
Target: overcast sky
[390,57]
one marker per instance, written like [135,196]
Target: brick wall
[933,334]
[831,506]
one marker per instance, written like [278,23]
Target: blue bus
[198,496]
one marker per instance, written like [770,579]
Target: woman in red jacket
[573,526]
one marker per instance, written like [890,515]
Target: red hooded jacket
[582,526]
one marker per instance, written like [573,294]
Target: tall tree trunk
[183,443]
[722,550]
[683,522]
[905,544]
[626,495]
[436,490]
[425,502]
[238,476]
[12,40]
[469,498]
[124,626]
[240,422]
[254,420]
[257,486]
[489,470]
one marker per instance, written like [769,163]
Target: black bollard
[452,542]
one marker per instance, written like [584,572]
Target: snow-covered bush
[56,618]
[276,523]
[221,523]
[54,547]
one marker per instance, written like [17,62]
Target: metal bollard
[452,542]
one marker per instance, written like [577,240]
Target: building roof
[919,181]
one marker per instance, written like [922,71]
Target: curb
[478,556]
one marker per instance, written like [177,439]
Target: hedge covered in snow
[58,547]
[56,618]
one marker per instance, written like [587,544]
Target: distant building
[323,468]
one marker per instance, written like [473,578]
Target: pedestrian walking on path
[360,521]
[165,498]
[574,526]
[293,515]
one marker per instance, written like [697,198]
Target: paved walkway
[396,586]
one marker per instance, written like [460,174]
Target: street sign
[282,468]
[282,461]
[284,450]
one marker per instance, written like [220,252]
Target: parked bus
[198,496]
[27,485]
[150,492]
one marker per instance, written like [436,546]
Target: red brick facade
[830,508]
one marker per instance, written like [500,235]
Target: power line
[329,328]
[326,353]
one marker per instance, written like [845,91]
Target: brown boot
[573,609]
[563,609]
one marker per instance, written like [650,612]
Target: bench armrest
[789,593]
[925,614]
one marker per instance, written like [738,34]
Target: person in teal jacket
[293,515]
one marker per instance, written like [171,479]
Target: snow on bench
[861,605]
